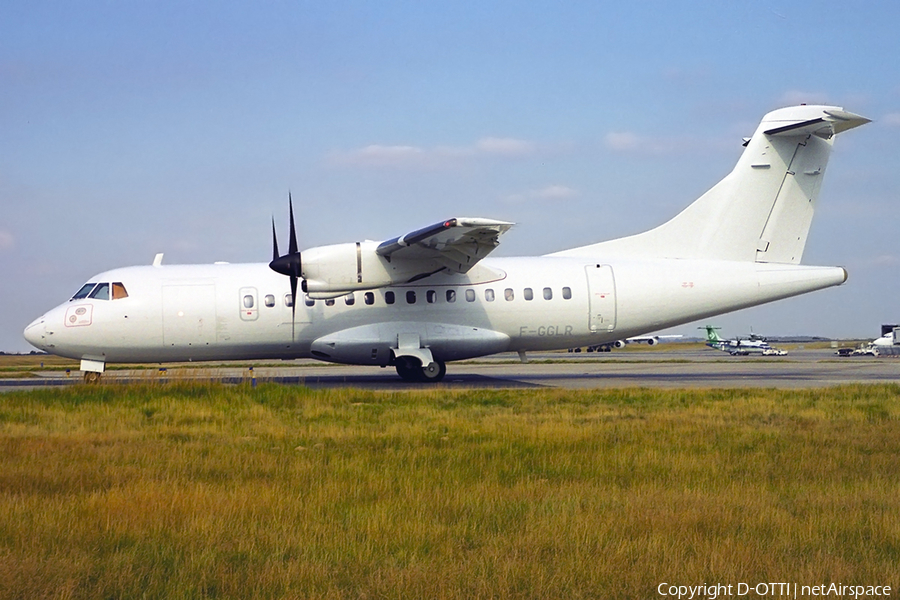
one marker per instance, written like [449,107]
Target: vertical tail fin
[762,210]
[712,335]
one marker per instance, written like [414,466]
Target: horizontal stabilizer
[832,122]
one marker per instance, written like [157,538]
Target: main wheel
[434,372]
[409,372]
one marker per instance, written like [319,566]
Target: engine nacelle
[619,343]
[330,271]
[652,341]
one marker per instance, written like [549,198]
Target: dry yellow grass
[208,491]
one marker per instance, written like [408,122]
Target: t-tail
[761,211]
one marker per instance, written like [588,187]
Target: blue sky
[130,128]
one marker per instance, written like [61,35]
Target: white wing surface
[455,244]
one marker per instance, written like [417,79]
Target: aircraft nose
[35,332]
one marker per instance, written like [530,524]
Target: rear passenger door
[602,298]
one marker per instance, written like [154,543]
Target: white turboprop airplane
[429,297]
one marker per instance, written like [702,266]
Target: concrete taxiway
[693,368]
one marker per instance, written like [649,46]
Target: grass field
[207,491]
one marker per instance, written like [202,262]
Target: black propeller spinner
[289,264]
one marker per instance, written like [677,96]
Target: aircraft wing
[455,244]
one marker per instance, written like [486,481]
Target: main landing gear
[412,370]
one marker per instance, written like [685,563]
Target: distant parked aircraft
[738,347]
[650,340]
[887,345]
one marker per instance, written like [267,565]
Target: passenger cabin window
[84,291]
[270,299]
[451,295]
[369,298]
[248,301]
[309,301]
[489,295]
[430,296]
[350,299]
[509,295]
[118,291]
[329,302]
[470,295]
[410,297]
[389,297]
[548,294]
[567,293]
[288,300]
[101,292]
[529,295]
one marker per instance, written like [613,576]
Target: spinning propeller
[289,264]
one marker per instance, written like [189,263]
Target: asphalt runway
[690,368]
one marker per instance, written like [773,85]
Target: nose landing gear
[92,377]
[93,370]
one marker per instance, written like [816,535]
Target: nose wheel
[412,371]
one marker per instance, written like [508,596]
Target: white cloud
[377,155]
[505,146]
[551,193]
[687,76]
[886,260]
[892,119]
[555,192]
[794,97]
[627,142]
[7,240]
[383,156]
[622,140]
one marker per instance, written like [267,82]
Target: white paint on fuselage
[196,312]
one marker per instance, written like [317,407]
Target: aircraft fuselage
[242,311]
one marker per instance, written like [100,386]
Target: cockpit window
[84,291]
[118,291]
[101,292]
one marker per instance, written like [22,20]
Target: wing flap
[455,244]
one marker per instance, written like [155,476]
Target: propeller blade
[275,254]
[292,243]
[290,264]
[293,304]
